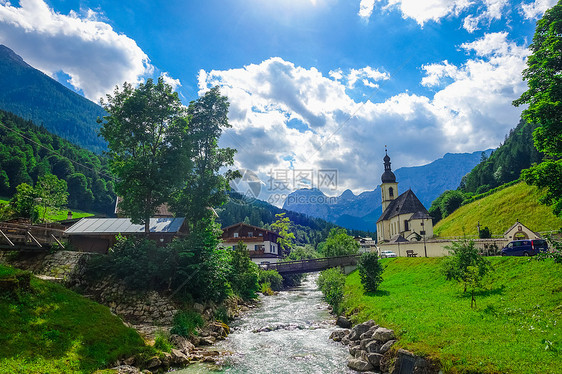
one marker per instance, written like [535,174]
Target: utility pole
[423,233]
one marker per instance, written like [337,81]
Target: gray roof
[404,204]
[104,226]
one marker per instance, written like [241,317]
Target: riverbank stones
[343,322]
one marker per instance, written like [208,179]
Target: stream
[286,333]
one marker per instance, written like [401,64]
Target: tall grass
[499,212]
[514,328]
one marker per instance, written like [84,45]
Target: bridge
[27,237]
[309,266]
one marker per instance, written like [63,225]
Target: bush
[273,278]
[265,288]
[244,273]
[370,271]
[485,233]
[203,269]
[331,283]
[221,314]
[185,323]
[161,342]
[140,263]
[466,266]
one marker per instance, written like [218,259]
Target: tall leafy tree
[544,96]
[146,130]
[205,187]
[339,243]
[51,193]
[282,226]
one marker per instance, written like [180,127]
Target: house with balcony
[261,243]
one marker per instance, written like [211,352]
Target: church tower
[389,186]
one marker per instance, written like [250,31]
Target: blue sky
[316,84]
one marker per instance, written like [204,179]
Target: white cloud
[366,75]
[281,111]
[366,8]
[174,83]
[536,8]
[434,10]
[435,72]
[95,56]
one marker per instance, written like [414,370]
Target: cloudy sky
[314,85]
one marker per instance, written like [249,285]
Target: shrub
[221,314]
[140,263]
[161,342]
[244,273]
[466,265]
[273,278]
[185,323]
[370,271]
[331,283]
[265,288]
[485,233]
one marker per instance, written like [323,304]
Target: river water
[287,333]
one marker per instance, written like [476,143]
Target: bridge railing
[311,265]
[27,236]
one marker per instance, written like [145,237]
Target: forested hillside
[307,230]
[505,164]
[33,95]
[28,151]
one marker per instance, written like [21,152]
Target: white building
[402,216]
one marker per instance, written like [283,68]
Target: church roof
[405,204]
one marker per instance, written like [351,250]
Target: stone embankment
[371,350]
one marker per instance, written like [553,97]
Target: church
[404,218]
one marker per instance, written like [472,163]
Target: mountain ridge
[361,211]
[32,95]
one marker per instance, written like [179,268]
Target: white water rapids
[287,333]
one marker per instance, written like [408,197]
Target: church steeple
[389,186]
[388,176]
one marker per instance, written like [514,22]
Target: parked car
[527,247]
[387,254]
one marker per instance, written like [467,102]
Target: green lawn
[53,330]
[515,328]
[499,212]
[56,216]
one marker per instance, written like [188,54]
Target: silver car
[388,254]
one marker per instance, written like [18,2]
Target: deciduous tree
[544,96]
[204,186]
[282,226]
[146,130]
[339,243]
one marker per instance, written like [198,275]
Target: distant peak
[7,54]
[347,194]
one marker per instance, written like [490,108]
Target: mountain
[34,96]
[307,230]
[28,151]
[361,211]
[505,164]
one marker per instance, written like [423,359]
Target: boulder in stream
[359,364]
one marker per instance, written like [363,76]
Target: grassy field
[515,328]
[56,216]
[499,212]
[50,329]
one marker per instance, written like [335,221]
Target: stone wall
[64,266]
[437,248]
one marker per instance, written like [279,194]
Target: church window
[391,192]
[406,225]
